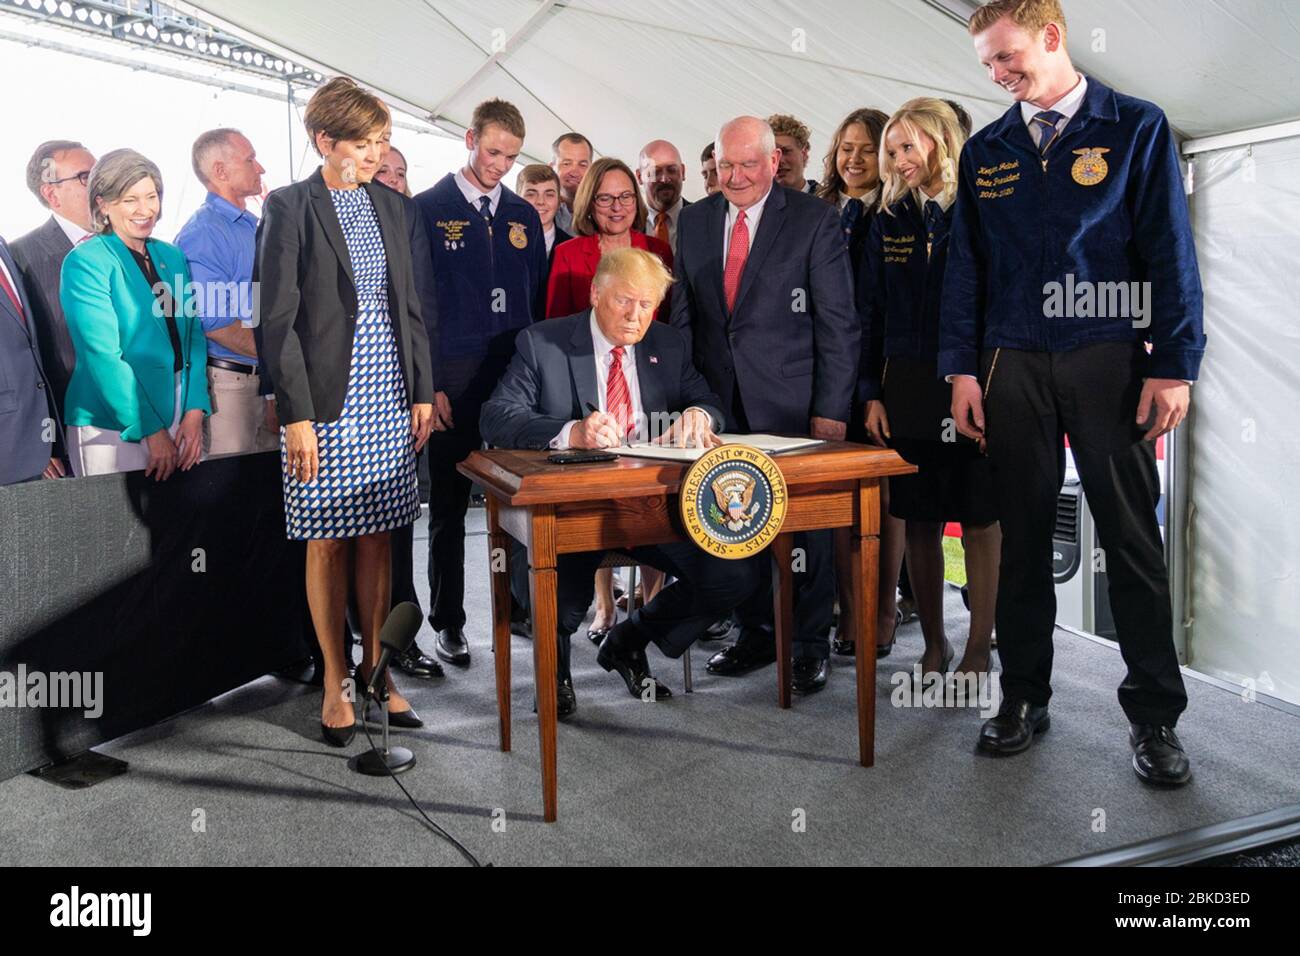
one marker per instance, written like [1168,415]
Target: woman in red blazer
[608,213]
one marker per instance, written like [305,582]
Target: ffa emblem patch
[733,501]
[518,235]
[1089,169]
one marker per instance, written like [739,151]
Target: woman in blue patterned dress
[342,339]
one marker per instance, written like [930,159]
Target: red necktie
[13,297]
[737,253]
[618,400]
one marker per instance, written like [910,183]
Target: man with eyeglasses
[57,174]
[763,287]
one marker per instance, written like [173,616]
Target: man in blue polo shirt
[1072,305]
[219,241]
[489,267]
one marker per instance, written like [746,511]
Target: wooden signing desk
[559,509]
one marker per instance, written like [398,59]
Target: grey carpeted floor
[717,777]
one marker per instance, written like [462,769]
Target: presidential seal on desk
[733,501]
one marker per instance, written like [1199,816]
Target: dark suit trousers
[1091,394]
[448,501]
[705,589]
[814,583]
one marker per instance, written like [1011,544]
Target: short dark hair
[342,110]
[38,167]
[572,137]
[963,118]
[503,114]
[707,154]
[535,173]
[207,142]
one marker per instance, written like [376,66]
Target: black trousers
[448,501]
[814,584]
[1032,400]
[705,589]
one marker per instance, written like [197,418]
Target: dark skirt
[954,481]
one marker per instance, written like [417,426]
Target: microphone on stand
[404,622]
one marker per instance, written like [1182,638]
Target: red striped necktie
[618,400]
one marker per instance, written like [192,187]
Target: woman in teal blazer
[139,391]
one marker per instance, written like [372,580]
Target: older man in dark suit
[29,429]
[638,376]
[765,290]
[57,174]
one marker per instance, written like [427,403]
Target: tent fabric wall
[1243,560]
[624,71]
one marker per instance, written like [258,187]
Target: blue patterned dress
[366,481]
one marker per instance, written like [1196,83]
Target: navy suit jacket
[24,389]
[552,377]
[790,347]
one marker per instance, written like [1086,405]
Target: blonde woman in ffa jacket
[907,403]
[1077,187]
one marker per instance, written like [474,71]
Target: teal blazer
[124,378]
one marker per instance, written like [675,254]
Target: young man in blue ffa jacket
[1071,250]
[489,268]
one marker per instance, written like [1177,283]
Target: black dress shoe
[1158,755]
[597,634]
[566,701]
[451,646]
[1013,729]
[741,658]
[338,736]
[632,666]
[407,719]
[810,674]
[416,663]
[717,630]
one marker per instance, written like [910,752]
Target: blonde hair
[783,124]
[1030,15]
[935,119]
[342,110]
[584,199]
[639,268]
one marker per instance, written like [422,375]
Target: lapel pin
[654,360]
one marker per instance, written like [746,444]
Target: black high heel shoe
[338,736]
[406,719]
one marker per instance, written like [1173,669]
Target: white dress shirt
[652,220]
[1067,106]
[472,193]
[603,348]
[70,229]
[549,235]
[752,216]
[869,199]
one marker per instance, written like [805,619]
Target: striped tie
[1047,131]
[618,400]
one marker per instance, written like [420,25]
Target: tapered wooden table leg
[499,569]
[783,613]
[541,560]
[864,572]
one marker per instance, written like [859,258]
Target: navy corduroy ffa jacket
[489,284]
[1107,208]
[900,288]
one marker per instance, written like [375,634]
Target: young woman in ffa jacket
[908,404]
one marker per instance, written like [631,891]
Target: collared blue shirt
[219,241]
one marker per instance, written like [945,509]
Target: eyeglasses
[82,178]
[606,200]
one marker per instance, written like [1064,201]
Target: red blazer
[574,266]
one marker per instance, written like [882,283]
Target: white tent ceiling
[626,71]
